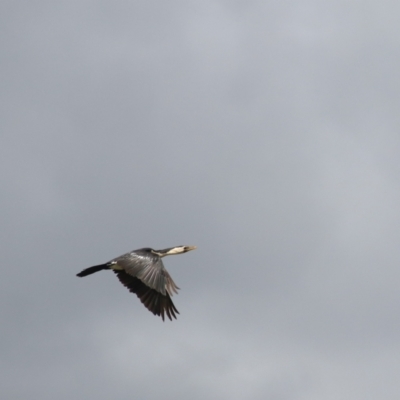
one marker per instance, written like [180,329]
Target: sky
[265,133]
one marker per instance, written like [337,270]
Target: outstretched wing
[144,273]
[156,302]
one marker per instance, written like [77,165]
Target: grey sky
[264,132]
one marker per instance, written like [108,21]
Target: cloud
[265,134]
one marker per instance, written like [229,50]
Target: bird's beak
[188,248]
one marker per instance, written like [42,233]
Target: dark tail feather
[92,270]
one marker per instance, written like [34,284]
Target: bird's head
[173,250]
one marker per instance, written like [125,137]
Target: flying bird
[143,273]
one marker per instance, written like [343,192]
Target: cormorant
[142,272]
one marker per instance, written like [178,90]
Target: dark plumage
[143,273]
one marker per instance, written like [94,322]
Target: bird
[143,273]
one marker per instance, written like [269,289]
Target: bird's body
[143,273]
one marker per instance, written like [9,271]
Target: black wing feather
[154,301]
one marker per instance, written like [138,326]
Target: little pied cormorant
[142,272]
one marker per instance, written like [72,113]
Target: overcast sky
[267,133]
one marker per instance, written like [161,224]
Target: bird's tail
[92,270]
